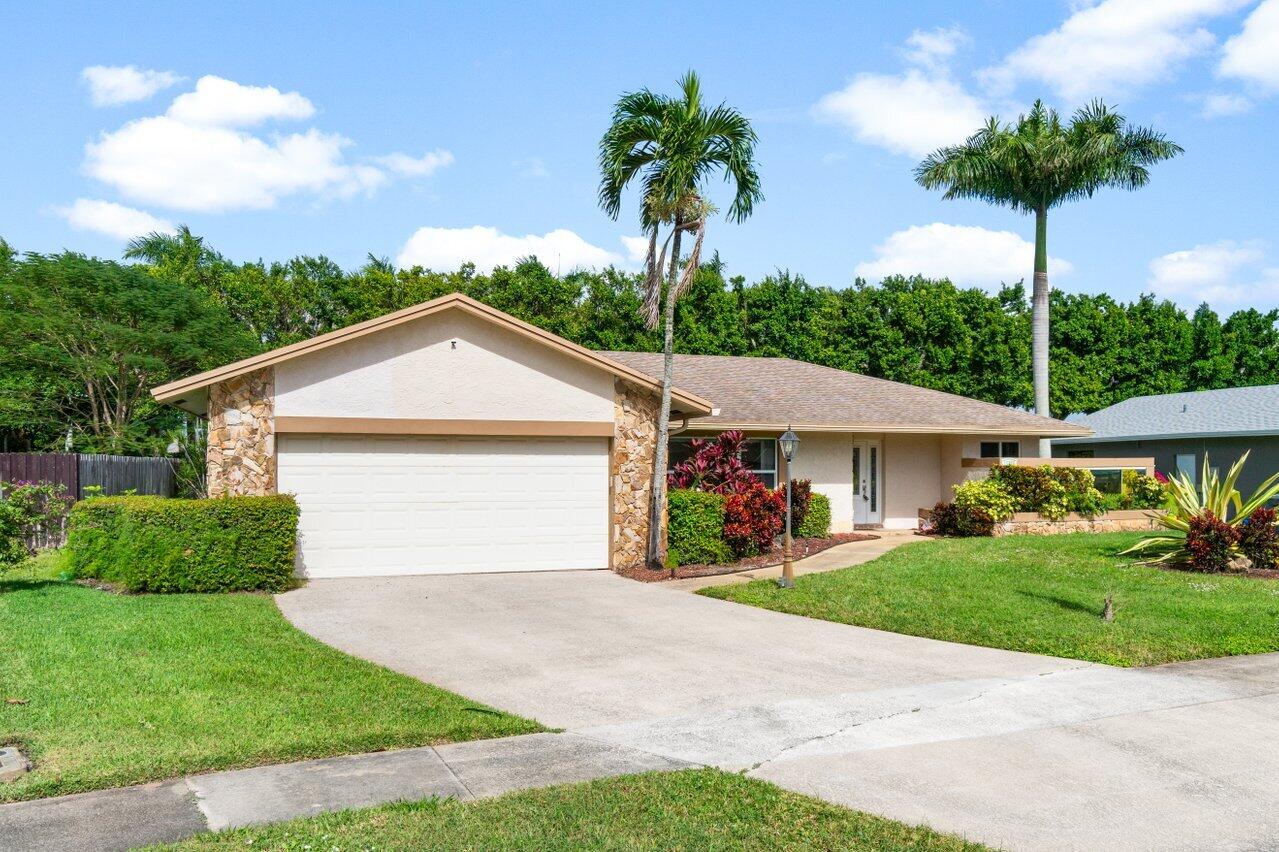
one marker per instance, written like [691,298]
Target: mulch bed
[800,548]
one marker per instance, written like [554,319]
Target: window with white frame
[759,455]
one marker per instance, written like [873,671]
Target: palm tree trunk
[1039,323]
[657,505]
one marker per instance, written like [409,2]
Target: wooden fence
[77,472]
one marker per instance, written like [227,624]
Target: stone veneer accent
[1030,523]
[241,456]
[634,444]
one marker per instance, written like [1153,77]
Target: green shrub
[1142,492]
[817,522]
[156,544]
[695,528]
[952,519]
[989,495]
[1052,492]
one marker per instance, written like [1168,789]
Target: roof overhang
[190,392]
[899,428]
[1172,436]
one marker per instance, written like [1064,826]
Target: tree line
[85,338]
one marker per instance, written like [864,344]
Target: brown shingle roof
[776,392]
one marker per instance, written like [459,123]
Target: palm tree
[1033,166]
[674,145]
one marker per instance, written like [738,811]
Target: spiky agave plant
[1214,494]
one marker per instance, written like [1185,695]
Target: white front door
[868,475]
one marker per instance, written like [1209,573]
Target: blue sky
[430,133]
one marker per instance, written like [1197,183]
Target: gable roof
[1194,414]
[182,391]
[775,393]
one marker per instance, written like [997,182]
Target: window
[1000,449]
[1080,454]
[758,454]
[1186,465]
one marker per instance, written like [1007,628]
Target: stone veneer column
[241,455]
[634,443]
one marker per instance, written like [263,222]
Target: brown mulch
[801,547]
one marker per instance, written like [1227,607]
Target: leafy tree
[88,339]
[673,145]
[1037,164]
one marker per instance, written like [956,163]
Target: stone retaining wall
[241,457]
[634,441]
[1119,520]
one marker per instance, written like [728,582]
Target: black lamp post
[790,445]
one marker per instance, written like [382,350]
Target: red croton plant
[753,514]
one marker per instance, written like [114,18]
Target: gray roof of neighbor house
[1195,414]
[776,392]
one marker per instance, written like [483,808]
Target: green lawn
[699,809]
[1038,593]
[119,689]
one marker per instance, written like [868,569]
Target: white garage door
[375,505]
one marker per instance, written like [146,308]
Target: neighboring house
[1178,429]
[451,437]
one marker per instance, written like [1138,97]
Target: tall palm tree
[674,145]
[1033,166]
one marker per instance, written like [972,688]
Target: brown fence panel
[42,467]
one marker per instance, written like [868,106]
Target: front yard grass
[699,809]
[1042,594]
[103,689]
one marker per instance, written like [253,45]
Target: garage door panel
[405,505]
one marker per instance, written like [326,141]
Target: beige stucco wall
[827,460]
[912,477]
[448,365]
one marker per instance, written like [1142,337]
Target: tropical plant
[1215,497]
[753,519]
[987,495]
[801,491]
[715,465]
[673,145]
[1210,542]
[952,519]
[1258,538]
[1037,164]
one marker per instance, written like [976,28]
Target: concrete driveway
[1016,750]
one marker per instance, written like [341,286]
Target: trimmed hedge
[695,528]
[158,544]
[817,522]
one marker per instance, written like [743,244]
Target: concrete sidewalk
[831,559]
[125,818]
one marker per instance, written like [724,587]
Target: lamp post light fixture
[790,445]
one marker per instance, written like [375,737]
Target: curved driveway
[1012,749]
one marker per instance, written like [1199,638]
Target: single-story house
[451,437]
[1179,429]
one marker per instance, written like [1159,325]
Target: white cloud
[636,248]
[1225,104]
[198,156]
[1112,47]
[423,166]
[914,113]
[110,84]
[532,167]
[966,254]
[932,48]
[448,248]
[226,103]
[1224,272]
[114,220]
[1253,54]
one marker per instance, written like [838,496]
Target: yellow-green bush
[157,544]
[695,528]
[817,521]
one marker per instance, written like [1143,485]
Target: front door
[868,464]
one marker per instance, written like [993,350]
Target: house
[1179,429]
[450,437]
